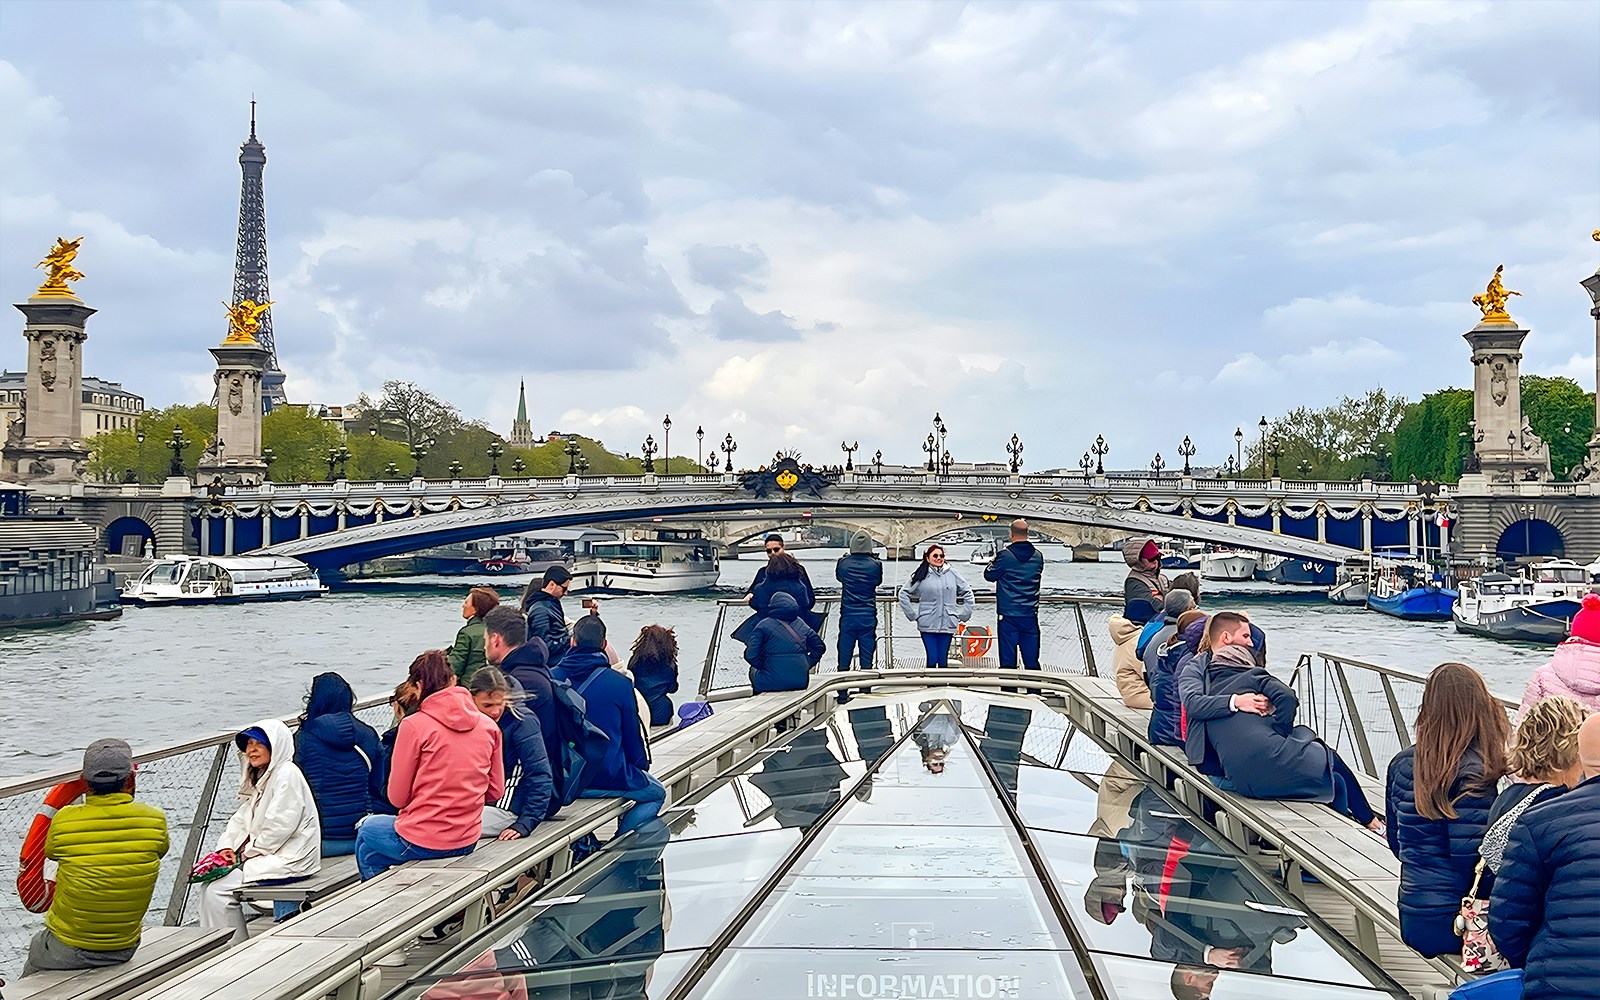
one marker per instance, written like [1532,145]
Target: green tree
[410,413]
[1432,439]
[299,443]
[117,456]
[1344,441]
[1562,413]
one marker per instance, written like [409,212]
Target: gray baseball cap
[107,761]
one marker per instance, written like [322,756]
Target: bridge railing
[194,782]
[1074,636]
[1366,711]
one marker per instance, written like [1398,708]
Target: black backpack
[583,744]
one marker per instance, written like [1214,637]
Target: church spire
[521,430]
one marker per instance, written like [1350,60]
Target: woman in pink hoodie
[1574,670]
[445,768]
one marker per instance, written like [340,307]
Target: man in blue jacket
[610,705]
[506,645]
[859,575]
[1544,913]
[1016,572]
[546,621]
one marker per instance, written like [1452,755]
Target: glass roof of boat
[939,844]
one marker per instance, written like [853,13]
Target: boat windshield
[1561,574]
[162,573]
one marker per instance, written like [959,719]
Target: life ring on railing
[33,888]
[976,639]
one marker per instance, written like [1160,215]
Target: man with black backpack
[610,705]
[507,646]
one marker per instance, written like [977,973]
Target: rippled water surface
[160,675]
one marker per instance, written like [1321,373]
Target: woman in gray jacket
[936,599]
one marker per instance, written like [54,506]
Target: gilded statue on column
[244,321]
[1493,299]
[58,267]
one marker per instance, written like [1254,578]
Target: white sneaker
[394,960]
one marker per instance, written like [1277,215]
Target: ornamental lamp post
[877,463]
[1276,452]
[496,449]
[1263,426]
[940,428]
[1187,450]
[945,458]
[1157,464]
[649,449]
[1232,468]
[700,447]
[572,451]
[176,444]
[518,466]
[333,459]
[849,455]
[1238,447]
[729,446]
[666,444]
[1100,449]
[456,469]
[1014,449]
[138,435]
[344,462]
[419,451]
[267,457]
[391,471]
[932,448]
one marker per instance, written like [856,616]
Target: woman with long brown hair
[1440,791]
[654,666]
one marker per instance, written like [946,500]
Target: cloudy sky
[800,222]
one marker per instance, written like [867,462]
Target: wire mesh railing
[194,782]
[1366,711]
[1074,637]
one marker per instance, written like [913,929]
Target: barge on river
[1521,608]
[224,579]
[659,562]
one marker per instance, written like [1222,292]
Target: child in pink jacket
[1574,670]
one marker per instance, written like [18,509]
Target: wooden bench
[336,874]
[163,953]
[276,968]
[1309,837]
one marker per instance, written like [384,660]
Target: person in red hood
[446,767]
[1574,670]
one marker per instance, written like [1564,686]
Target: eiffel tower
[250,267]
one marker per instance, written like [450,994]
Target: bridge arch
[128,535]
[1530,536]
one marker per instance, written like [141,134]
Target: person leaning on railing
[1439,793]
[109,852]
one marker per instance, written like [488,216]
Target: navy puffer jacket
[1437,856]
[548,623]
[782,649]
[1545,914]
[530,788]
[1166,718]
[1015,572]
[340,757]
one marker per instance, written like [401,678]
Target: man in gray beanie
[1160,630]
[859,575]
[108,850]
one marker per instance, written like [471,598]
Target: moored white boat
[1227,564]
[1536,608]
[670,562]
[187,579]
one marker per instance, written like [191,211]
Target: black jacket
[782,649]
[1545,909]
[342,760]
[526,665]
[859,575]
[1264,756]
[655,680]
[547,623]
[1437,856]
[797,588]
[1015,573]
[1166,718]
[530,788]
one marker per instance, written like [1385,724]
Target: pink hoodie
[1573,671]
[446,768]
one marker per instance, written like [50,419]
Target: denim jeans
[1019,632]
[379,847]
[861,637]
[647,803]
[937,647]
[1348,797]
[338,848]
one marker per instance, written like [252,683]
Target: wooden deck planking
[275,968]
[1405,966]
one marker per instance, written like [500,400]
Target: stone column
[235,455]
[1509,451]
[48,446]
[1591,284]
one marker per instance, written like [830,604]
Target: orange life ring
[978,641]
[33,888]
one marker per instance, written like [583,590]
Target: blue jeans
[861,637]
[1348,798]
[379,848]
[1222,783]
[1019,632]
[937,647]
[338,848]
[647,803]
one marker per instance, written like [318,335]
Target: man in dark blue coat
[506,645]
[546,621]
[859,575]
[1544,913]
[611,706]
[1015,573]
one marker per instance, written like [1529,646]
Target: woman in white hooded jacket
[275,829]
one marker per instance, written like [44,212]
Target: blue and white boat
[1535,607]
[1295,571]
[1410,590]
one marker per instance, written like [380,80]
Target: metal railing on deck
[195,782]
[1366,711]
[1073,637]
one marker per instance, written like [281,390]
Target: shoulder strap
[789,627]
[590,679]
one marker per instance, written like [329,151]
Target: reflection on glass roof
[937,844]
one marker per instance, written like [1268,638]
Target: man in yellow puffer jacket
[109,850]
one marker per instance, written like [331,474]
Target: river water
[161,675]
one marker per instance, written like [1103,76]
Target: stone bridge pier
[126,517]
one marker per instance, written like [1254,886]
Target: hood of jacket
[861,542]
[1023,550]
[328,714]
[1576,662]
[581,661]
[337,729]
[533,653]
[783,607]
[280,742]
[1131,549]
[1194,632]
[452,708]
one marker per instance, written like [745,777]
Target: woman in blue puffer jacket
[342,760]
[1439,794]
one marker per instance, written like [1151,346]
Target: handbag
[213,866]
[1478,953]
[1505,985]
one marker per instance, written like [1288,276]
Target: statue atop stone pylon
[1493,299]
[59,270]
